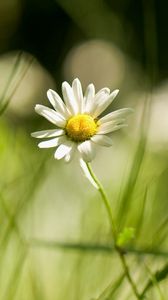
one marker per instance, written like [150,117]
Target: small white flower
[77,120]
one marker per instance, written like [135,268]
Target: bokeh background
[55,242]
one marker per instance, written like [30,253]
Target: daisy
[78,121]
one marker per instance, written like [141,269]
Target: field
[56,241]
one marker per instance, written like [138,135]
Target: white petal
[117,121]
[102,140]
[89,96]
[101,94]
[109,127]
[57,103]
[51,143]
[104,103]
[123,112]
[77,90]
[87,150]
[47,133]
[69,98]
[87,174]
[51,115]
[99,98]
[71,153]
[104,90]
[63,150]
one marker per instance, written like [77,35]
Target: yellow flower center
[81,127]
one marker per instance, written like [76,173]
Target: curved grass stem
[114,231]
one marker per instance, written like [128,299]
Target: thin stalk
[105,200]
[5,105]
[114,231]
[14,70]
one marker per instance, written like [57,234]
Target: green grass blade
[15,276]
[109,292]
[11,76]
[24,72]
[88,247]
[157,277]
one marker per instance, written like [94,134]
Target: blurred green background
[55,241]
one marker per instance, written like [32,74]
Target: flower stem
[105,200]
[114,231]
